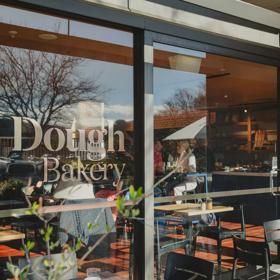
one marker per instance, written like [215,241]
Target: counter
[239,173]
[257,208]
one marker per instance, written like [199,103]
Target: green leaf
[108,228]
[120,204]
[78,245]
[24,272]
[139,192]
[135,212]
[28,212]
[54,245]
[48,233]
[47,262]
[14,270]
[35,206]
[132,193]
[89,226]
[30,245]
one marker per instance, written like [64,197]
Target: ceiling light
[225,96]
[245,110]
[13,33]
[47,36]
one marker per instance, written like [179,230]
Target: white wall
[184,18]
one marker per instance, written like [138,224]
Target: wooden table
[198,212]
[175,207]
[190,213]
[192,209]
[9,235]
[106,275]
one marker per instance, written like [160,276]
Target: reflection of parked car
[3,167]
[14,155]
[25,169]
[15,167]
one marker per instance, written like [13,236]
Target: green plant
[53,270]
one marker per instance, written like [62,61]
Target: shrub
[11,189]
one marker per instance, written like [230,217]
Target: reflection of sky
[167,82]
[32,20]
[117,81]
[100,33]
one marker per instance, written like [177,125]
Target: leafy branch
[55,269]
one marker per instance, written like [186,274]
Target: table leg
[188,229]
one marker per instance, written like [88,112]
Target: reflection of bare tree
[39,85]
[185,100]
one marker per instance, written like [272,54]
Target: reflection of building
[167,123]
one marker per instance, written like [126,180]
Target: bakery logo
[91,141]
[83,144]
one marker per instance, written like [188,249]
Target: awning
[196,129]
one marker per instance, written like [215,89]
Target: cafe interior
[66,98]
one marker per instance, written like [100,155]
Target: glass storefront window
[66,132]
[180,110]
[215,130]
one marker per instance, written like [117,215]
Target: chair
[166,239]
[272,234]
[196,175]
[252,253]
[27,224]
[183,267]
[219,233]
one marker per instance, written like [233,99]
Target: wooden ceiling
[28,38]
[246,82]
[273,5]
[230,81]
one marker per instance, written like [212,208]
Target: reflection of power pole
[74,136]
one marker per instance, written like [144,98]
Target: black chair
[272,234]
[253,253]
[181,267]
[219,233]
[27,224]
[167,238]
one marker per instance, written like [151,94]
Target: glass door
[215,139]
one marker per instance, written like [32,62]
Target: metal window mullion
[149,157]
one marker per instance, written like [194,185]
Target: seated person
[158,160]
[186,163]
[111,195]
